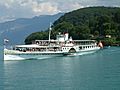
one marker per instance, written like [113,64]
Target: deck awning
[28,46]
[34,46]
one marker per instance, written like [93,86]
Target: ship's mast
[50,32]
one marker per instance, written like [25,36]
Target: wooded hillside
[86,23]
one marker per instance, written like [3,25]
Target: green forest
[99,23]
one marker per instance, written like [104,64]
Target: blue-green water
[98,71]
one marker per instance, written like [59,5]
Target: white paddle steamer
[63,45]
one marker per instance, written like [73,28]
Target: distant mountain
[17,30]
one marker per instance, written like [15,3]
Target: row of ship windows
[86,47]
[82,47]
[65,48]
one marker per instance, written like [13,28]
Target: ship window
[80,47]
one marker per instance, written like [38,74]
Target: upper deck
[57,43]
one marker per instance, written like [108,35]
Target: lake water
[98,71]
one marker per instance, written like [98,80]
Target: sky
[13,9]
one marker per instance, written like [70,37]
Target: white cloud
[7,3]
[45,8]
[77,6]
[70,6]
[30,8]
[6,18]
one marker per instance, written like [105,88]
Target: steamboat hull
[30,56]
